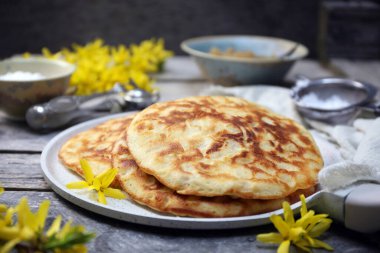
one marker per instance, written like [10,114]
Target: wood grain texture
[366,71]
[22,172]
[16,136]
[119,236]
[180,68]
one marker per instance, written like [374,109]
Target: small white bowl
[267,67]
[16,96]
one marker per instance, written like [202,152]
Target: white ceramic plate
[58,176]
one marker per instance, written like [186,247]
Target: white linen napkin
[351,153]
[363,165]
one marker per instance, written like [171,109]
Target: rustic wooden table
[20,174]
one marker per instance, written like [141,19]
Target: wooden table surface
[21,175]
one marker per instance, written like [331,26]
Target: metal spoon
[139,98]
[65,110]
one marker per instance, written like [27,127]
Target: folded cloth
[364,165]
[351,153]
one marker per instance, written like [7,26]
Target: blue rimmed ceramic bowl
[268,65]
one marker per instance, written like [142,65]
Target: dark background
[328,28]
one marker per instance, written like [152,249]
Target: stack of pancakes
[202,157]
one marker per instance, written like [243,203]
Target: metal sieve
[333,100]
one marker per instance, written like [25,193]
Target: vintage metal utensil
[333,100]
[65,110]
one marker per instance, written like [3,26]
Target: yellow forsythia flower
[28,230]
[99,183]
[302,233]
[100,66]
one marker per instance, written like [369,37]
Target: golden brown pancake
[97,146]
[146,190]
[94,145]
[216,146]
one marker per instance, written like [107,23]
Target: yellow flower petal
[46,52]
[319,244]
[78,248]
[270,238]
[280,225]
[102,198]
[303,205]
[9,233]
[319,228]
[27,233]
[23,212]
[107,177]
[114,193]
[303,220]
[87,171]
[7,247]
[77,185]
[42,214]
[8,216]
[1,190]
[303,245]
[288,213]
[284,247]
[3,208]
[65,230]
[296,234]
[26,55]
[55,226]
[96,185]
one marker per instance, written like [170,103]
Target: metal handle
[362,208]
[64,110]
[300,77]
[372,107]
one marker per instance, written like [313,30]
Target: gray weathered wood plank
[367,71]
[22,171]
[180,68]
[308,68]
[178,89]
[16,136]
[119,236]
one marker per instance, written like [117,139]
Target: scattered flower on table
[3,207]
[100,66]
[99,183]
[301,233]
[24,231]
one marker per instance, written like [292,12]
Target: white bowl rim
[58,62]
[191,51]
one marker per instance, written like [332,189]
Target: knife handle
[362,208]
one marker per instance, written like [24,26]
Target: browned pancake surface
[146,190]
[216,146]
